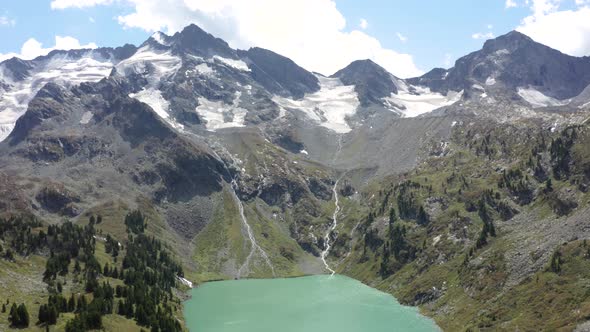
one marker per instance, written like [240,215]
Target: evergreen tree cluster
[488,225]
[147,269]
[18,316]
[398,246]
[135,222]
[21,236]
[518,184]
[560,152]
[556,262]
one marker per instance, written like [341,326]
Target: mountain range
[220,145]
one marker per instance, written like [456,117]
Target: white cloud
[490,26]
[63,4]
[7,21]
[482,35]
[32,48]
[564,30]
[363,24]
[510,4]
[311,32]
[91,19]
[448,60]
[401,37]
[543,7]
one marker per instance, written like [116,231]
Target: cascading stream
[254,247]
[327,244]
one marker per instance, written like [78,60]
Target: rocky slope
[236,156]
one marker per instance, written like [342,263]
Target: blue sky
[406,37]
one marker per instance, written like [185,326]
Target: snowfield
[154,64]
[161,106]
[236,64]
[160,37]
[86,117]
[410,105]
[219,115]
[329,107]
[538,99]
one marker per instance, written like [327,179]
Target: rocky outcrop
[279,74]
[55,198]
[372,82]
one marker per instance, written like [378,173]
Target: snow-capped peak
[161,38]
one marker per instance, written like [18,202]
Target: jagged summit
[372,82]
[193,78]
[511,41]
[511,62]
[277,73]
[197,41]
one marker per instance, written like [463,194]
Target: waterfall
[327,244]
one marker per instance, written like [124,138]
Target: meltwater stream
[327,244]
[323,303]
[254,247]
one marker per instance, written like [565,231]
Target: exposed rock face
[278,74]
[125,139]
[194,40]
[55,198]
[48,104]
[514,60]
[372,82]
[18,69]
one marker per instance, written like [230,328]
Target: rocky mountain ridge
[219,144]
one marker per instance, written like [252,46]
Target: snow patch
[329,107]
[185,281]
[219,115]
[490,81]
[156,101]
[204,69]
[435,240]
[423,101]
[304,152]
[538,99]
[160,37]
[478,87]
[153,64]
[236,64]
[86,117]
[502,52]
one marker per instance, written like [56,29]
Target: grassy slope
[21,282]
[474,296]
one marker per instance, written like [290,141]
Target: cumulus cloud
[401,37]
[482,35]
[510,4]
[448,60]
[311,32]
[363,24]
[564,30]
[33,48]
[63,4]
[7,21]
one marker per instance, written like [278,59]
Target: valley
[463,192]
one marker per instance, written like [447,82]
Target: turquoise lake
[316,303]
